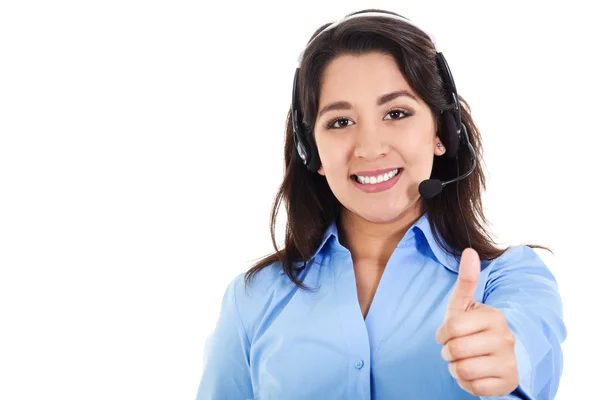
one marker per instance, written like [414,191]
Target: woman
[389,285]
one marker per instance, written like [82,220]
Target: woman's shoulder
[252,298]
[248,287]
[517,257]
[519,267]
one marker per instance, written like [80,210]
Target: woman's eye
[397,114]
[338,123]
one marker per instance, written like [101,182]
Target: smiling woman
[389,285]
[393,132]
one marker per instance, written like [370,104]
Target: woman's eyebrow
[344,105]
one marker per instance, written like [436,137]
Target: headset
[454,132]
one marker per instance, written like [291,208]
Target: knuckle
[479,387]
[453,326]
[455,349]
[497,313]
[509,338]
[514,383]
[463,371]
[512,364]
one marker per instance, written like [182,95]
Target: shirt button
[359,364]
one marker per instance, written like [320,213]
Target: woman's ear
[321,171]
[439,149]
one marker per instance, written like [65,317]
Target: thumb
[463,295]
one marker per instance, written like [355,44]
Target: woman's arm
[522,287]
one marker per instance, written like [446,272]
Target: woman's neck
[375,242]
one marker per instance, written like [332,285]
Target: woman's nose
[370,144]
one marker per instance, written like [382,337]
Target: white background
[141,147]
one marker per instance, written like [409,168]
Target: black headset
[454,132]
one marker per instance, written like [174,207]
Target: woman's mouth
[372,180]
[377,182]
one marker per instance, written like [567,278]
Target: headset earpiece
[450,135]
[303,142]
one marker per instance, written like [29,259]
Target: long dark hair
[309,202]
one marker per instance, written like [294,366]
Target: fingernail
[452,369]
[445,353]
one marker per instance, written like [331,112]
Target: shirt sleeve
[226,366]
[522,287]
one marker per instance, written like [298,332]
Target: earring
[440,146]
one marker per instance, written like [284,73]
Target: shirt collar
[420,229]
[445,258]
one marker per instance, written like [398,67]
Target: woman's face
[376,138]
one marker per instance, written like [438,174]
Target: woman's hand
[476,339]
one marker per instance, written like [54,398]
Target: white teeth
[377,179]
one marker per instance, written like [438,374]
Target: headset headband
[371,14]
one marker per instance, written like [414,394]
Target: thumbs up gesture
[476,339]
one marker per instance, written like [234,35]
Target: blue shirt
[276,341]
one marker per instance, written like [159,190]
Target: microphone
[430,188]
